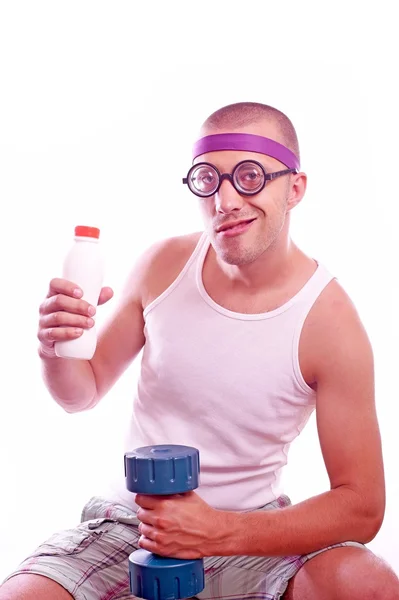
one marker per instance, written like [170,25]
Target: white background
[99,105]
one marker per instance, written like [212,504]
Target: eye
[203,179]
[249,176]
[206,178]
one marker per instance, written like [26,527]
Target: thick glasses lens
[203,180]
[249,177]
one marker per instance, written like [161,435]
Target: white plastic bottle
[83,265]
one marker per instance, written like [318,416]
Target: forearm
[330,518]
[70,382]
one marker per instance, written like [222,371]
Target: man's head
[263,215]
[238,117]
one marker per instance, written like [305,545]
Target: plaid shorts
[91,560]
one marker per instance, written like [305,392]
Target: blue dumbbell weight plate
[162,469]
[161,578]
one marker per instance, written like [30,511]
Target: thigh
[89,561]
[263,578]
[31,587]
[260,577]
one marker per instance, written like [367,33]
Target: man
[243,336]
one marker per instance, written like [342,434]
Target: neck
[270,270]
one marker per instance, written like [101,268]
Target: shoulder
[171,249]
[333,334]
[161,264]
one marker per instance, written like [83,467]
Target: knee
[375,589]
[346,573]
[377,581]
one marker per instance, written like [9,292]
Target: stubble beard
[240,252]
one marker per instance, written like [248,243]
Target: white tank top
[226,383]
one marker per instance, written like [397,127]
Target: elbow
[370,524]
[367,514]
[371,528]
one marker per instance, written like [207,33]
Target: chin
[239,256]
[241,250]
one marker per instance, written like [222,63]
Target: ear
[297,190]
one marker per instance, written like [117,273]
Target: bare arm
[349,436]
[78,384]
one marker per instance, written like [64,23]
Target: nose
[227,199]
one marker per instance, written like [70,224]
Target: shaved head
[237,116]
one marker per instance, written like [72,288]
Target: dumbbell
[163,470]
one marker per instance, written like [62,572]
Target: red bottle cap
[84,231]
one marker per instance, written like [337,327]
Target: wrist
[230,534]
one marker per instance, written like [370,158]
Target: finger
[58,334]
[105,295]
[166,549]
[151,546]
[63,286]
[147,544]
[146,516]
[144,501]
[151,502]
[61,302]
[47,351]
[148,531]
[65,319]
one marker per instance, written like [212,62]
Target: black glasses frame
[230,177]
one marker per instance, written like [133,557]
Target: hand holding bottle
[67,321]
[64,315]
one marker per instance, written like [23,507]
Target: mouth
[234,228]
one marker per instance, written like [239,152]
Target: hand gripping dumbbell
[163,470]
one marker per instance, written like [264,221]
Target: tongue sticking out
[237,229]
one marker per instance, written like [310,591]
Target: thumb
[105,295]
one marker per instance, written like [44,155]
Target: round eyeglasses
[248,178]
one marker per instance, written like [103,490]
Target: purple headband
[246,142]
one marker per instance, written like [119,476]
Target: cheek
[271,206]
[271,216]
[206,207]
